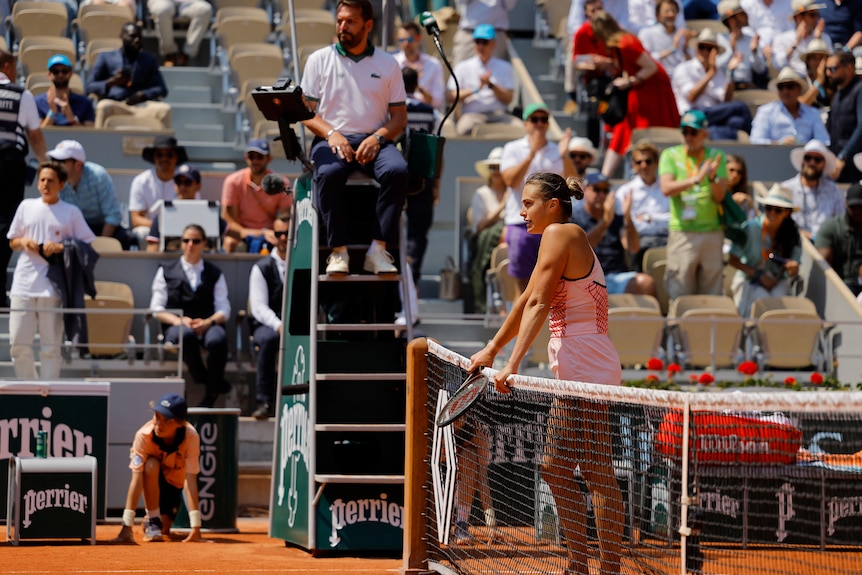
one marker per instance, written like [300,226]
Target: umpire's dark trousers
[13,168]
[267,340]
[330,177]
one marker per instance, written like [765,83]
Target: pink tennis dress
[580,349]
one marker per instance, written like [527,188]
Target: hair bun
[575,188]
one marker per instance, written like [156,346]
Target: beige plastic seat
[221,4]
[39,19]
[492,285]
[103,244]
[38,83]
[99,45]
[110,334]
[706,330]
[106,9]
[636,328]
[497,131]
[305,51]
[755,98]
[301,5]
[137,123]
[241,25]
[651,258]
[255,60]
[657,135]
[782,345]
[311,29]
[34,51]
[97,25]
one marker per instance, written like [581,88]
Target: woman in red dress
[651,101]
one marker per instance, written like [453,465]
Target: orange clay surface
[249,551]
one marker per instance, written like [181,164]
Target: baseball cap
[533,108]
[58,59]
[694,119]
[68,150]
[596,178]
[258,145]
[484,32]
[172,406]
[187,171]
[854,195]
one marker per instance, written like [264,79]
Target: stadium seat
[755,98]
[97,25]
[704,330]
[38,19]
[110,334]
[782,345]
[305,51]
[222,4]
[697,25]
[311,29]
[241,25]
[652,257]
[657,135]
[34,51]
[130,122]
[497,131]
[39,82]
[636,328]
[106,8]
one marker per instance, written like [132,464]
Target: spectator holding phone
[768,260]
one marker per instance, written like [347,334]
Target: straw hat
[579,144]
[728,8]
[779,196]
[787,75]
[815,147]
[483,167]
[801,6]
[707,36]
[815,46]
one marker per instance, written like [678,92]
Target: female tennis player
[568,285]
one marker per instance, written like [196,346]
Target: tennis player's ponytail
[553,186]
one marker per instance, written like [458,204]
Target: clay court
[249,551]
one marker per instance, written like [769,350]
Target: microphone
[427,19]
[272,185]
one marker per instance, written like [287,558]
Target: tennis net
[565,477]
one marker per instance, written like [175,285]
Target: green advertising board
[360,517]
[289,518]
[75,417]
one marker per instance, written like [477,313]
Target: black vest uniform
[196,304]
[274,285]
[841,124]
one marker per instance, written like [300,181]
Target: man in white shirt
[741,40]
[788,47]
[432,86]
[643,199]
[265,289]
[474,13]
[666,43]
[786,120]
[522,157]
[700,84]
[768,19]
[818,197]
[199,289]
[486,84]
[155,185]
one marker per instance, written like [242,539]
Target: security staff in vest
[19,122]
[845,131]
[422,193]
[265,293]
[199,289]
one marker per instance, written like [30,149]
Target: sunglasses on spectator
[194,241]
[255,156]
[601,190]
[539,119]
[832,69]
[165,155]
[789,86]
[580,156]
[643,161]
[183,182]
[705,47]
[689,132]
[776,209]
[494,168]
[408,40]
[480,41]
[813,159]
[60,70]
[279,234]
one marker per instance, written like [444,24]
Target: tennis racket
[463,399]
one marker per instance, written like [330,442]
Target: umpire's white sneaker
[338,263]
[379,261]
[153,530]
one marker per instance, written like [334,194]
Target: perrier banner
[74,415]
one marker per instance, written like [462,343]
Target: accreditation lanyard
[689,196]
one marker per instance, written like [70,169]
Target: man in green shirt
[694,177]
[839,240]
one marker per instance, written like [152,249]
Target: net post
[415,467]
[684,529]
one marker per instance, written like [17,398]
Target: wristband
[194,519]
[128,517]
[329,133]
